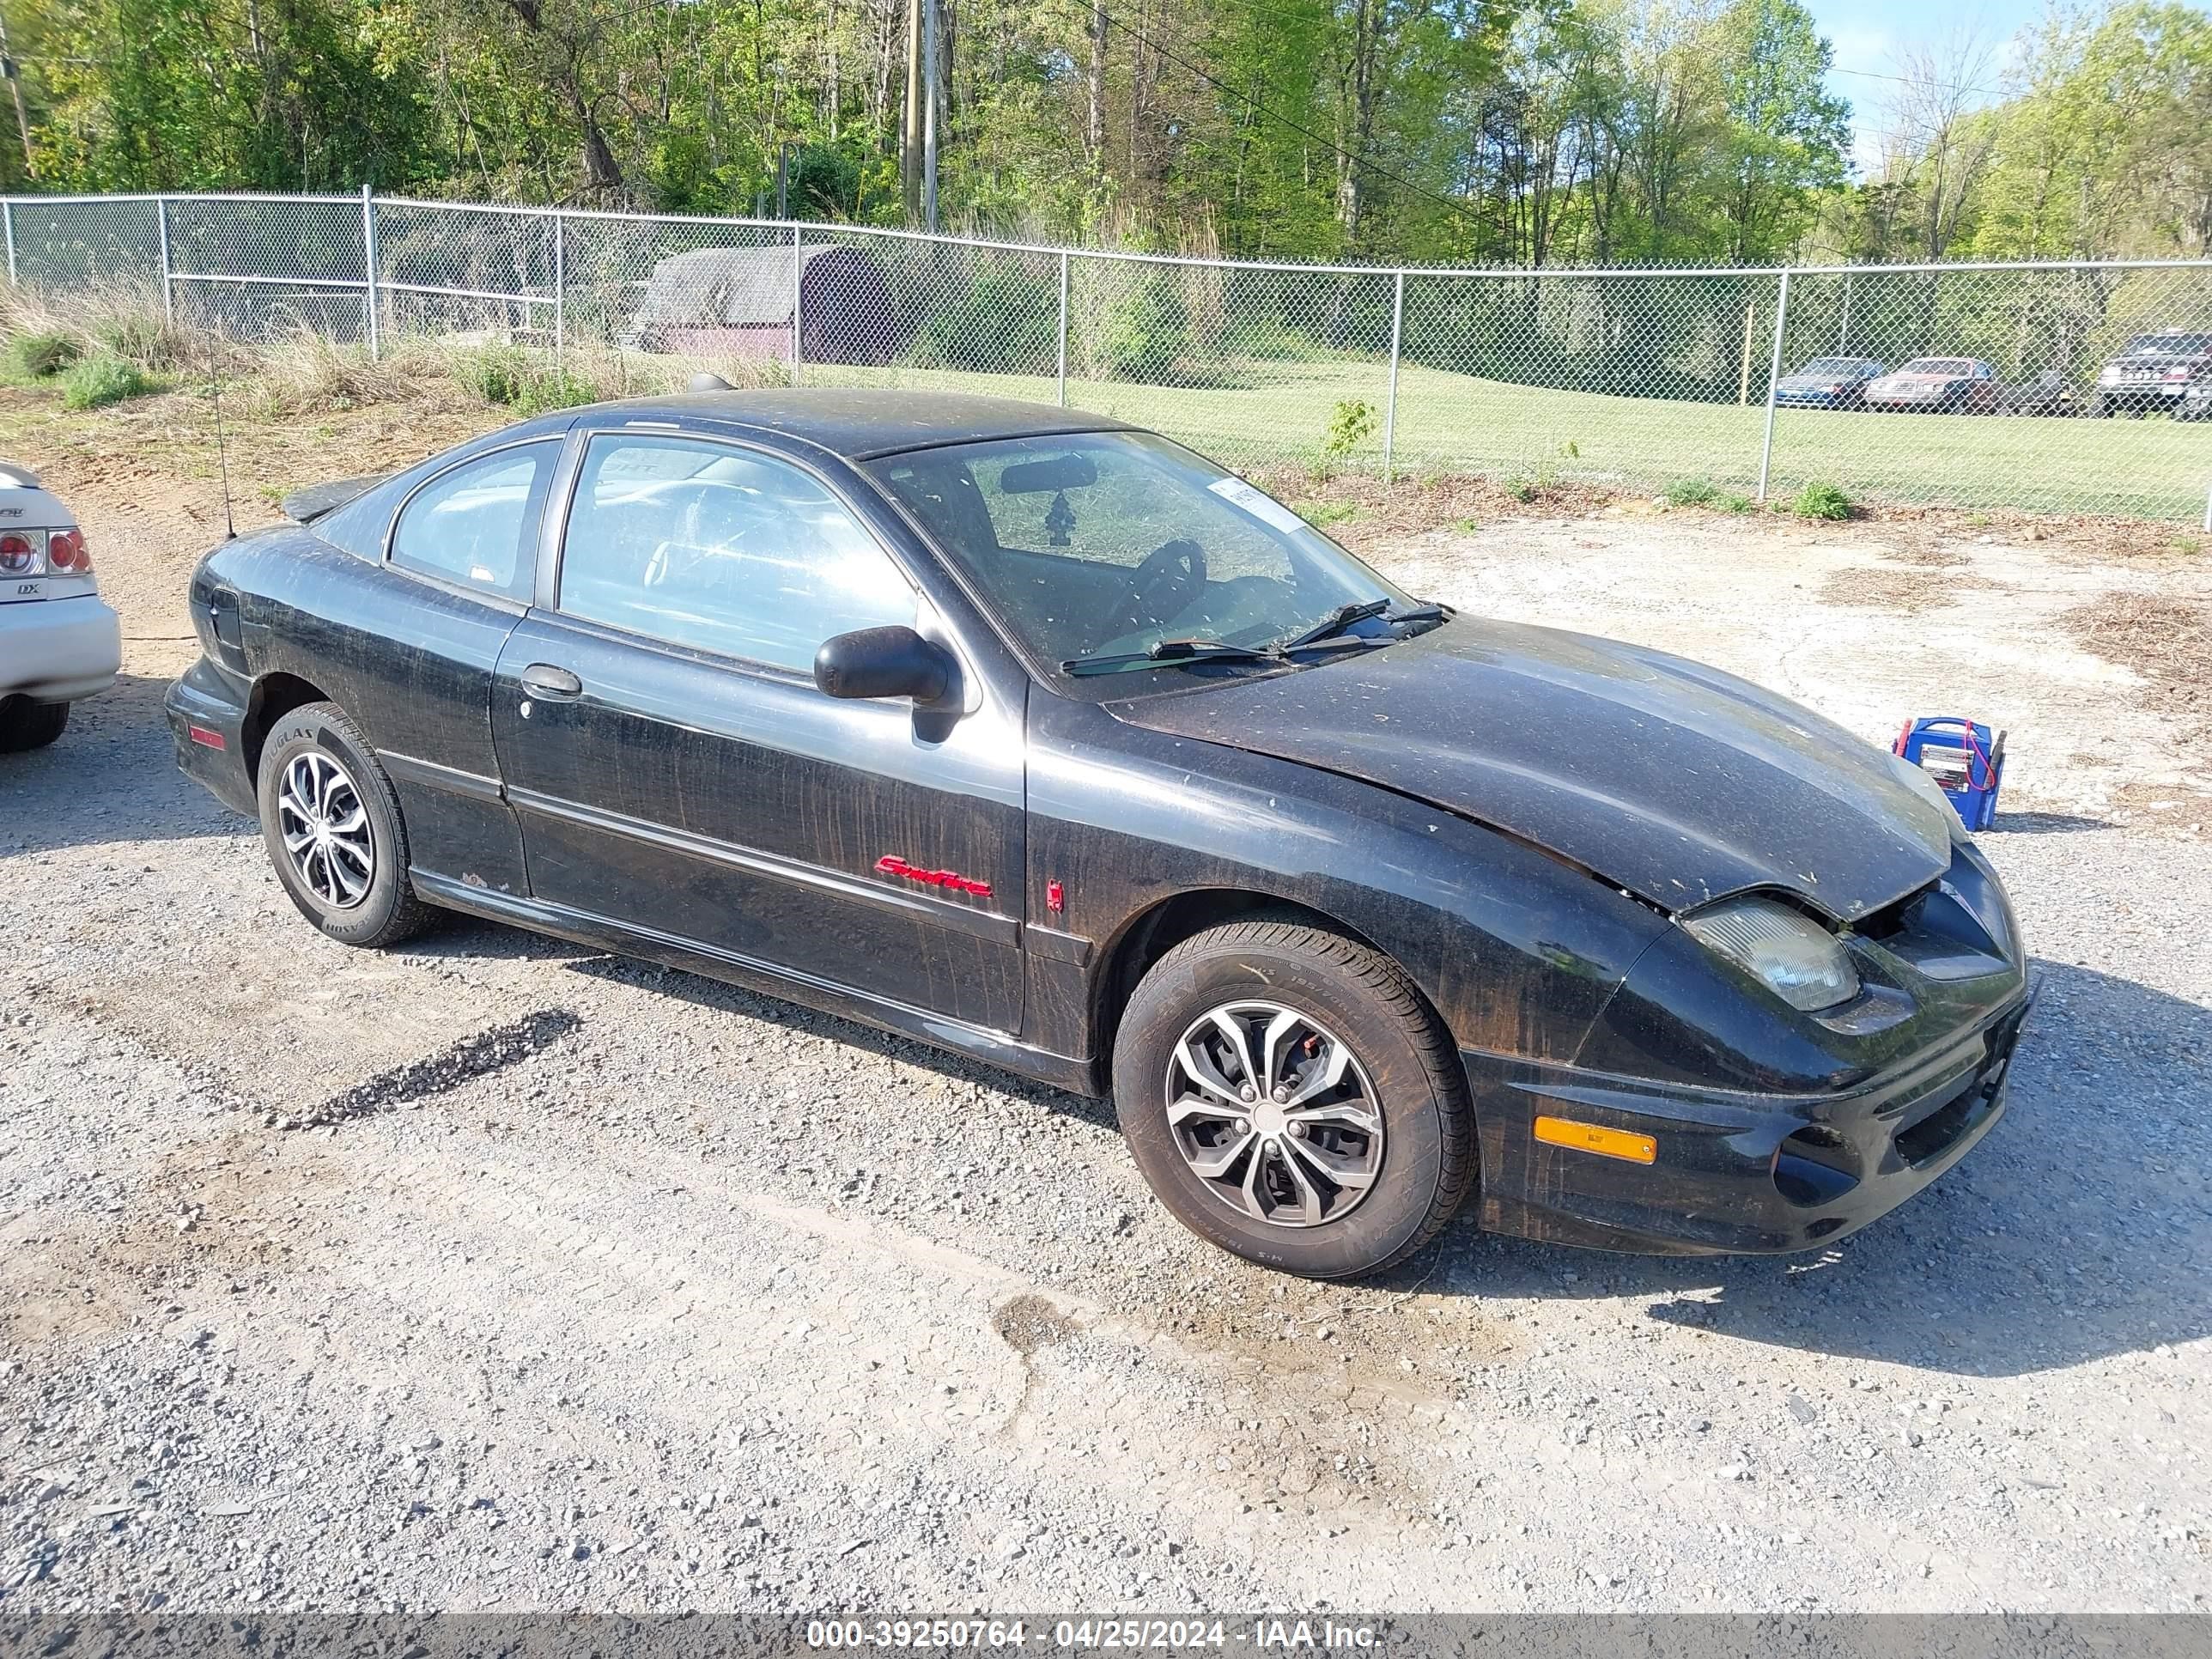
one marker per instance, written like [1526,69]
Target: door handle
[543,679]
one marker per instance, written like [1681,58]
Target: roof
[861,424]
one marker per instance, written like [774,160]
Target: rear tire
[27,725]
[329,818]
[1286,1168]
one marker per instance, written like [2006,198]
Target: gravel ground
[576,1284]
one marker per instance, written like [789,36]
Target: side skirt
[1000,1048]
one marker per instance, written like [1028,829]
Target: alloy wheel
[325,825]
[1274,1113]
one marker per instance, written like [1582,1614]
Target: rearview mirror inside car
[1037,477]
[882,662]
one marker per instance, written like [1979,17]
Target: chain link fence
[2060,388]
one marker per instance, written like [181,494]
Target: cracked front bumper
[1731,1172]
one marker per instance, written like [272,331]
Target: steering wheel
[1171,576]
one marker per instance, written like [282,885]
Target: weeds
[522,380]
[1467,525]
[96,381]
[2187,546]
[1732,502]
[42,354]
[1690,492]
[1351,424]
[1320,513]
[1530,487]
[1822,501]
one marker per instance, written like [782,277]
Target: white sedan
[58,642]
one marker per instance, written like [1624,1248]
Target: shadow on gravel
[2045,824]
[2080,1228]
[731,999]
[111,777]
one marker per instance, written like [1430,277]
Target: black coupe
[1042,739]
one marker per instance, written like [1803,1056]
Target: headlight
[1793,955]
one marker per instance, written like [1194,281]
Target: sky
[1870,35]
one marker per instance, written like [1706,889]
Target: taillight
[19,555]
[67,555]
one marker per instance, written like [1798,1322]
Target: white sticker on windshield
[1267,510]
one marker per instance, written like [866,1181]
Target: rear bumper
[1731,1172]
[207,719]
[59,650]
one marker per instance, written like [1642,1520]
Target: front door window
[727,550]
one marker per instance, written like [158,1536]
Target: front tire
[27,725]
[1289,1096]
[330,821]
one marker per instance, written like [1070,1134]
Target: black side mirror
[882,662]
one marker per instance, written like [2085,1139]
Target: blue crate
[1966,759]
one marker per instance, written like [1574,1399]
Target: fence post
[168,300]
[560,284]
[1390,404]
[1063,328]
[368,270]
[1773,374]
[7,215]
[798,300]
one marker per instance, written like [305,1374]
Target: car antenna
[221,448]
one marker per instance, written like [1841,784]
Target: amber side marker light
[1594,1137]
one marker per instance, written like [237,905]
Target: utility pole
[910,126]
[14,74]
[929,116]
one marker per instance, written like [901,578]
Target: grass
[1321,412]
[41,354]
[1822,501]
[1457,424]
[522,380]
[1323,513]
[96,381]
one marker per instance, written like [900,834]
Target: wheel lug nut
[1282,1093]
[1246,1091]
[1298,1131]
[1243,1125]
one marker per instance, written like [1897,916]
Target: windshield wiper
[1172,651]
[1348,616]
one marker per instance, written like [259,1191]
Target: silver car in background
[58,642]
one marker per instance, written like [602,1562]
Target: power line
[1258,108]
[1916,81]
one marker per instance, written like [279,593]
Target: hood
[1676,781]
[1921,377]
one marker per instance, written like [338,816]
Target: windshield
[2169,345]
[1105,545]
[1938,365]
[1832,366]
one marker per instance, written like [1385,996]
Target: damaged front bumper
[1731,1171]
